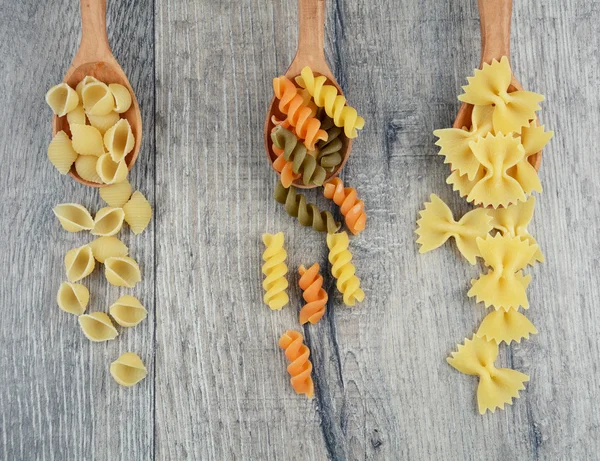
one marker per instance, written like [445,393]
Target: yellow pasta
[497,386]
[61,153]
[343,270]
[274,270]
[73,217]
[62,99]
[87,140]
[505,326]
[103,122]
[77,116]
[116,195]
[119,140]
[128,311]
[72,298]
[128,369]
[138,212]
[79,263]
[108,221]
[462,184]
[111,172]
[504,286]
[97,98]
[437,225]
[97,327]
[122,271]
[122,97]
[534,138]
[489,87]
[85,166]
[87,79]
[108,247]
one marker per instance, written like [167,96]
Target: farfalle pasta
[311,283]
[300,367]
[128,369]
[72,298]
[436,225]
[505,326]
[73,217]
[128,311]
[108,247]
[108,221]
[343,270]
[79,263]
[122,271]
[351,207]
[97,327]
[61,153]
[138,212]
[274,269]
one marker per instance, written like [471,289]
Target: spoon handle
[495,21]
[94,41]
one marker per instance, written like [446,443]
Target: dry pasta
[108,247]
[97,327]
[122,271]
[79,263]
[108,221]
[497,386]
[97,98]
[62,99]
[119,140]
[77,116]
[84,81]
[343,270]
[351,207]
[311,283]
[116,195]
[87,140]
[534,138]
[329,151]
[111,172]
[85,166]
[128,311]
[274,270]
[103,122]
[505,326]
[61,153]
[138,212]
[72,298]
[73,217]
[300,367]
[128,369]
[122,97]
[284,167]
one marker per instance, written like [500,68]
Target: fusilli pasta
[300,367]
[311,283]
[274,270]
[343,270]
[347,199]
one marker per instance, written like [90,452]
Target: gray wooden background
[217,386]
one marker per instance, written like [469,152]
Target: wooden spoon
[95,58]
[311,52]
[495,20]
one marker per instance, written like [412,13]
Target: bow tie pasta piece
[311,283]
[61,153]
[128,311]
[111,172]
[79,263]
[437,225]
[351,207]
[534,138]
[83,82]
[103,122]
[274,270]
[116,195]
[119,140]
[97,327]
[108,247]
[343,270]
[122,271]
[87,140]
[505,326]
[454,142]
[77,116]
[85,166]
[72,298]
[128,369]
[97,98]
[335,104]
[489,87]
[513,221]
[504,286]
[300,367]
[108,221]
[122,97]
[62,99]
[462,184]
[73,217]
[303,163]
[138,212]
[497,386]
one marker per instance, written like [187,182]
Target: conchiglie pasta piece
[103,122]
[73,298]
[128,369]
[119,140]
[79,263]
[87,140]
[62,99]
[128,311]
[97,98]
[116,195]
[108,221]
[122,271]
[87,79]
[97,327]
[108,247]
[77,116]
[85,165]
[122,97]
[73,217]
[61,153]
[111,172]
[138,212]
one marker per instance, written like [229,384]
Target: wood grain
[217,387]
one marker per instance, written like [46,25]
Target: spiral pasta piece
[300,367]
[307,213]
[302,162]
[311,283]
[299,115]
[329,152]
[343,270]
[274,269]
[284,167]
[347,199]
[335,104]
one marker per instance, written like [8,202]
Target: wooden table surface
[217,386]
